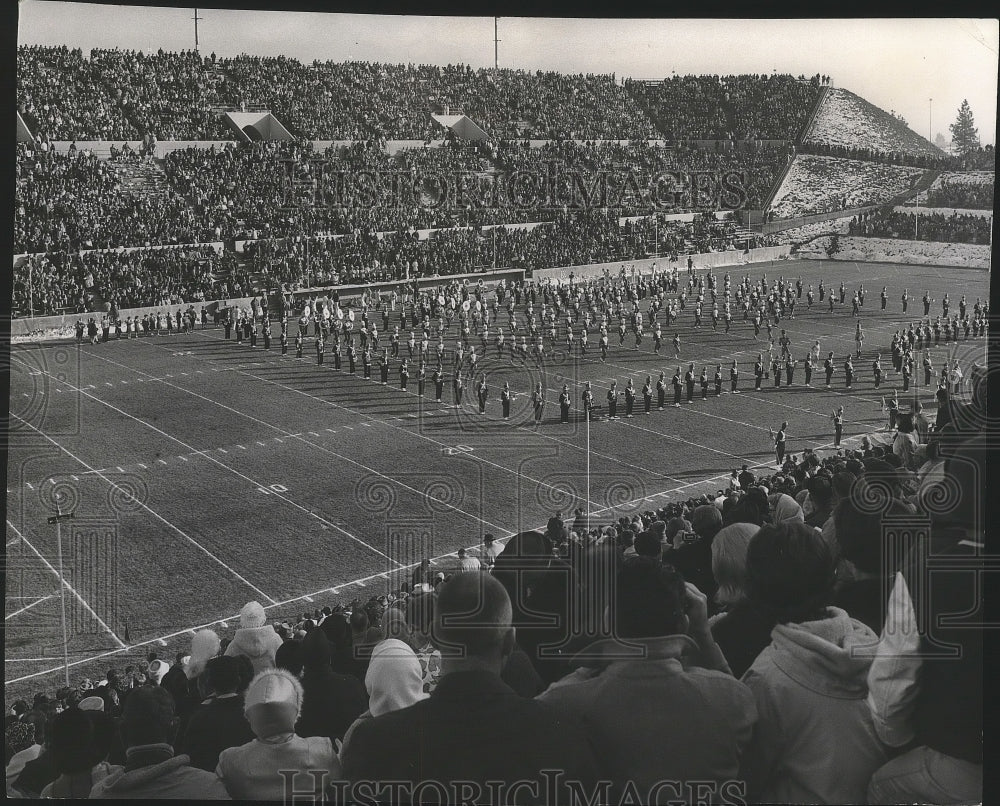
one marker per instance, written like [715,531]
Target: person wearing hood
[254,771]
[786,510]
[255,638]
[394,680]
[741,629]
[331,701]
[151,770]
[815,741]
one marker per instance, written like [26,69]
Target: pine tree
[964,135]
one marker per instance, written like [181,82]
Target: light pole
[586,414]
[57,519]
[930,119]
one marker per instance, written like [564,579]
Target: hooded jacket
[259,644]
[173,778]
[814,741]
[331,701]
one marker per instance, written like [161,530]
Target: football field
[203,474]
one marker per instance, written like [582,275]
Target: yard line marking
[62,580]
[308,598]
[28,607]
[161,461]
[151,511]
[140,465]
[331,430]
[260,443]
[313,434]
[366,425]
[223,450]
[120,469]
[232,470]
[182,458]
[75,478]
[241,447]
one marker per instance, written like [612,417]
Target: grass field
[204,474]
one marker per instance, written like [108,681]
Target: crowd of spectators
[120,93]
[74,200]
[95,281]
[957,192]
[953,228]
[772,616]
[170,94]
[63,96]
[824,184]
[857,152]
[739,107]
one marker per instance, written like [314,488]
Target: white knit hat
[252,615]
[204,646]
[273,702]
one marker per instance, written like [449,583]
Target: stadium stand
[954,228]
[847,125]
[960,190]
[818,184]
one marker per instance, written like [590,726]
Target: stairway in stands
[144,179]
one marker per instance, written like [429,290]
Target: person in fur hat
[255,638]
[253,771]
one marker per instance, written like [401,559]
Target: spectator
[928,704]
[394,681]
[255,638]
[256,770]
[218,723]
[80,741]
[815,742]
[473,727]
[622,699]
[21,740]
[331,701]
[692,554]
[151,769]
[466,562]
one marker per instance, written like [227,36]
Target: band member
[319,350]
[438,378]
[604,346]
[383,368]
[677,346]
[583,341]
[298,343]
[352,357]
[505,398]
[689,380]
[657,339]
[647,394]
[776,372]
[848,372]
[928,369]
[481,393]
[828,369]
[877,370]
[661,391]
[907,371]
[905,300]
[538,402]
[458,387]
[676,381]
[266,332]
[859,340]
[779,444]
[411,343]
[613,401]
[758,372]
[284,343]
[734,377]
[892,406]
[228,324]
[366,362]
[838,424]
[703,382]
[629,398]
[564,404]
[421,378]
[807,362]
[499,343]
[588,401]
[789,371]
[404,374]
